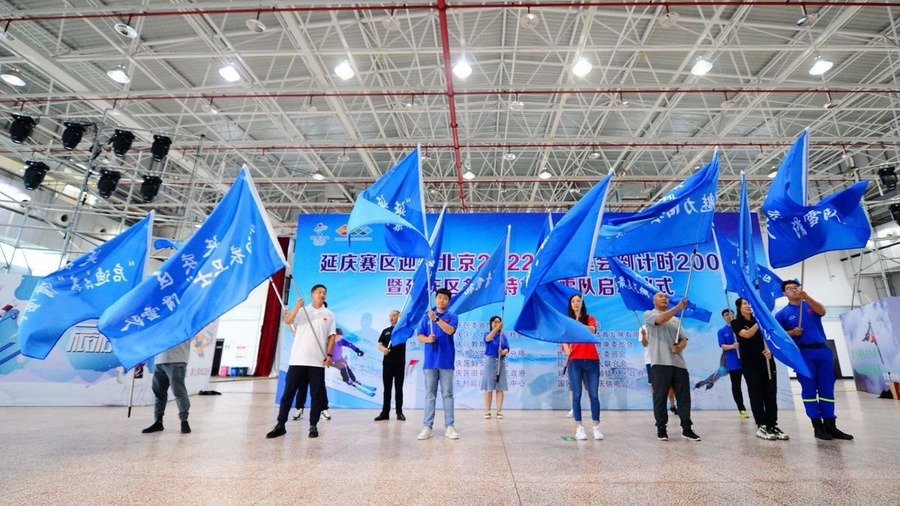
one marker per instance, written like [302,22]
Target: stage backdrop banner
[365,283]
[81,369]
[874,345]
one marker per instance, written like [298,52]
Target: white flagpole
[687,289]
[503,305]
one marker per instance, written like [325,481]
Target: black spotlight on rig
[895,212]
[21,127]
[72,135]
[160,147]
[150,187]
[109,179]
[35,171]
[121,142]
[888,178]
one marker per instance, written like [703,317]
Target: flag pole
[131,394]
[503,305]
[800,310]
[687,289]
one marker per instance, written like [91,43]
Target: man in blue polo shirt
[817,391]
[436,331]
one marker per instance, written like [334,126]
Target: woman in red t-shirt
[583,367]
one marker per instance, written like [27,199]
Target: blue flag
[798,231]
[768,282]
[555,294]
[396,200]
[681,217]
[566,253]
[488,285]
[780,344]
[420,292]
[227,257]
[84,288]
[746,252]
[637,293]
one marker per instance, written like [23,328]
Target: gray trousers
[163,376]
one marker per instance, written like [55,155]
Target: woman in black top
[758,366]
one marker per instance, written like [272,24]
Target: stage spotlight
[72,135]
[895,212]
[21,127]
[121,142]
[35,171]
[150,188]
[888,177]
[109,179]
[160,147]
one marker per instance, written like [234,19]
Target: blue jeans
[432,377]
[588,372]
[165,375]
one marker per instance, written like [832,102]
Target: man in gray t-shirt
[666,340]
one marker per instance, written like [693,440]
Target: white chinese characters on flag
[230,254]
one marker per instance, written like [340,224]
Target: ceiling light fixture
[12,76]
[582,67]
[35,170]
[516,105]
[595,154]
[344,158]
[620,103]
[701,67]
[773,173]
[21,127]
[462,69]
[125,30]
[728,103]
[121,142]
[888,177]
[150,188]
[820,66]
[831,103]
[317,175]
[5,35]
[509,156]
[669,19]
[309,107]
[229,73]
[119,74]
[109,179]
[808,18]
[468,175]
[761,154]
[411,105]
[72,134]
[210,108]
[255,25]
[160,147]
[678,154]
[545,174]
[344,70]
[529,20]
[391,23]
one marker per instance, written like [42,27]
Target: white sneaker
[299,414]
[597,434]
[579,434]
[451,433]
[569,414]
[326,415]
[425,433]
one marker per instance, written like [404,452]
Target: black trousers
[300,377]
[736,389]
[763,392]
[662,377]
[392,375]
[301,398]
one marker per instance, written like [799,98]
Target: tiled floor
[98,456]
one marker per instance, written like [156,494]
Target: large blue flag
[227,257]
[780,344]
[637,293]
[488,285]
[798,231]
[566,253]
[395,199]
[555,294]
[84,288]
[768,282]
[422,284]
[681,217]
[746,252]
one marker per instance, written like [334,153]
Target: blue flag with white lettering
[780,344]
[420,292]
[488,285]
[681,217]
[746,252]
[396,200]
[566,253]
[768,282]
[798,231]
[227,257]
[637,293]
[84,288]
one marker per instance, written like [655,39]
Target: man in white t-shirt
[310,355]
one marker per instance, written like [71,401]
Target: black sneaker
[674,410]
[690,434]
[401,417]
[661,434]
[278,431]
[381,416]
[185,427]
[156,427]
[313,431]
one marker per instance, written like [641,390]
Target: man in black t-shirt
[392,374]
